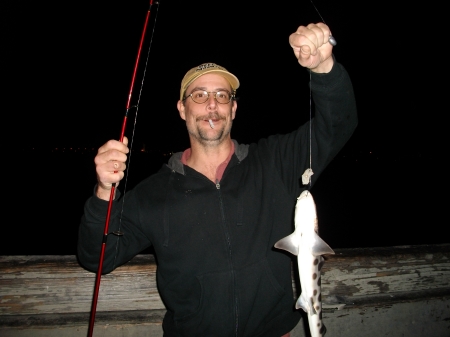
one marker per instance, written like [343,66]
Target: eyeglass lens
[201,96]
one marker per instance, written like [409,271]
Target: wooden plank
[40,285]
[57,284]
[356,275]
[422,318]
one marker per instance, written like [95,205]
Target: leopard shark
[306,244]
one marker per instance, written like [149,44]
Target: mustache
[211,115]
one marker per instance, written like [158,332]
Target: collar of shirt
[220,169]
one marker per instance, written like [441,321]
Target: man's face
[197,115]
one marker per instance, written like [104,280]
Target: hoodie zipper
[227,236]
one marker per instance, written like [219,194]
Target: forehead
[210,82]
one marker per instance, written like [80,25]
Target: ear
[233,110]
[181,108]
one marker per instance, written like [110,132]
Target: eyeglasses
[201,96]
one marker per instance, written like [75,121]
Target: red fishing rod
[113,188]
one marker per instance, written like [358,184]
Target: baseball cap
[207,68]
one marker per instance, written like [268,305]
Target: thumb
[305,58]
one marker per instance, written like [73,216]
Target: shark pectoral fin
[288,243]
[320,247]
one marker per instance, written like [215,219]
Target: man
[214,212]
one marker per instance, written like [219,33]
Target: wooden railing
[392,291]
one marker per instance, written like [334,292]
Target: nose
[211,102]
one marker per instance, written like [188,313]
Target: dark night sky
[71,66]
[68,70]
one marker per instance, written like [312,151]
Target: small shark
[306,244]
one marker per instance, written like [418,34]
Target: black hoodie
[218,272]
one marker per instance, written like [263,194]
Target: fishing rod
[113,188]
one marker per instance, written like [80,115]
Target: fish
[307,245]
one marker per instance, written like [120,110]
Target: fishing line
[113,187]
[331,39]
[118,232]
[306,177]
[310,128]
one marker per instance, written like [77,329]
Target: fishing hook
[111,198]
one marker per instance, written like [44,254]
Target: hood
[175,164]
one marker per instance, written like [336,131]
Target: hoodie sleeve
[335,119]
[91,233]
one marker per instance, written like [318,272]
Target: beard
[204,136]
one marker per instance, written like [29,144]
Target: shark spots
[321,264]
[306,244]
[322,329]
